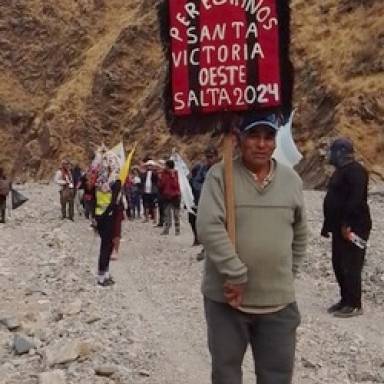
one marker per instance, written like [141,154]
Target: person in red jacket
[170,191]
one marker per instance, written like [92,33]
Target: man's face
[257,146]
[210,159]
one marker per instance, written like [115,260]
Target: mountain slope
[75,73]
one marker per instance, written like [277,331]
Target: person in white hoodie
[63,178]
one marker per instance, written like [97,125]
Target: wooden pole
[229,192]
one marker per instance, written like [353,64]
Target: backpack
[171,187]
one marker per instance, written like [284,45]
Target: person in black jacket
[199,174]
[5,188]
[347,218]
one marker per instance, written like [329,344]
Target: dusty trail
[150,325]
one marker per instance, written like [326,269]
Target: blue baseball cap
[250,122]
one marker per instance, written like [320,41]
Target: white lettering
[192,99]
[179,102]
[219,32]
[192,35]
[236,48]
[192,58]
[203,77]
[175,33]
[224,97]
[272,22]
[182,19]
[266,11]
[222,53]
[237,26]
[257,51]
[208,51]
[252,30]
[190,8]
[178,58]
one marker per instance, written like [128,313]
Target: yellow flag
[127,165]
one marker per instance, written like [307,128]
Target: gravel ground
[149,327]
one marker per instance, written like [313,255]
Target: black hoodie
[346,201]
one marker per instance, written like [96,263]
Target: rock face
[75,74]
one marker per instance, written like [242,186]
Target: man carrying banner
[249,289]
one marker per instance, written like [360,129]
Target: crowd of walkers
[151,193]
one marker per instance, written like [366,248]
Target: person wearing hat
[248,289]
[64,179]
[347,218]
[149,180]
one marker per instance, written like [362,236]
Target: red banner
[225,55]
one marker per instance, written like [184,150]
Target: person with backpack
[170,191]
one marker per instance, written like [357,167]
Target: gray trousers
[172,206]
[67,198]
[272,338]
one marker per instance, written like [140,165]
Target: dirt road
[150,325]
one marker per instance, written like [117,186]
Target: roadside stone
[73,308]
[144,373]
[65,352]
[11,323]
[55,377]
[23,344]
[93,319]
[105,370]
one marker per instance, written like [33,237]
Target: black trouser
[347,262]
[136,202]
[272,337]
[192,222]
[3,204]
[89,206]
[162,204]
[149,205]
[105,229]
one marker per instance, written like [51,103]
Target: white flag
[185,187]
[118,151]
[286,151]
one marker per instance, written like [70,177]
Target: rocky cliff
[78,72]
